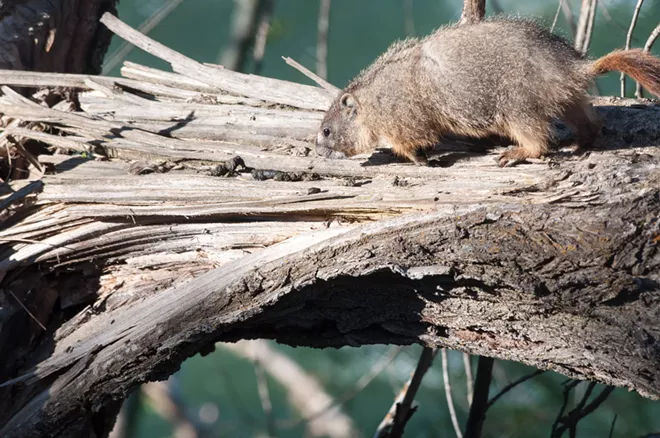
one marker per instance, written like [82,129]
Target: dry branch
[473,11]
[647,48]
[554,264]
[631,29]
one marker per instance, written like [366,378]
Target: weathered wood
[555,264]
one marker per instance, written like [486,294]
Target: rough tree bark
[131,267]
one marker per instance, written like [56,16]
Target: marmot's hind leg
[532,140]
[585,123]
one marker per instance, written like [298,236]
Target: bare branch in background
[450,399]
[243,31]
[362,383]
[512,385]
[408,17]
[568,14]
[125,424]
[480,403]
[147,26]
[606,14]
[639,93]
[264,396]
[402,410]
[585,25]
[631,29]
[322,39]
[304,391]
[570,421]
[554,21]
[569,386]
[262,34]
[473,11]
[467,364]
[313,76]
[163,397]
[612,426]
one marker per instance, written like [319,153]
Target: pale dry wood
[267,89]
[182,259]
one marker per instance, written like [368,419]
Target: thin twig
[467,364]
[612,426]
[568,14]
[480,403]
[512,385]
[20,303]
[147,26]
[322,39]
[402,410]
[554,21]
[631,29]
[450,399]
[262,35]
[573,417]
[573,427]
[647,48]
[362,383]
[568,387]
[408,17]
[313,76]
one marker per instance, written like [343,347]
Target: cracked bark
[569,289]
[556,265]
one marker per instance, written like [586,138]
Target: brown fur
[501,76]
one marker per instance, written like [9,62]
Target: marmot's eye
[326,132]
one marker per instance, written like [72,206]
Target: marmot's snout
[325,145]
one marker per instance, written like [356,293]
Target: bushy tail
[639,65]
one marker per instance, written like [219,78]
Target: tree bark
[54,36]
[133,267]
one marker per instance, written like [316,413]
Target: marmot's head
[342,131]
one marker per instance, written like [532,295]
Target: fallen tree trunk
[126,269]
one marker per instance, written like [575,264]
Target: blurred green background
[220,391]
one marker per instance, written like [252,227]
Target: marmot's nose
[319,138]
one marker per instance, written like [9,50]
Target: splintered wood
[145,200]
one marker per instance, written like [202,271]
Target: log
[137,254]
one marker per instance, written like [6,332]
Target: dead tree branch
[322,39]
[479,405]
[647,48]
[169,243]
[402,409]
[629,35]
[448,395]
[473,11]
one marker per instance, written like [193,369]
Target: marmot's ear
[349,103]
[348,100]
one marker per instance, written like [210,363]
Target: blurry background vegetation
[219,392]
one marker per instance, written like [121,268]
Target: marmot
[504,76]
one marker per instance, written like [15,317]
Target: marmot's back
[501,68]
